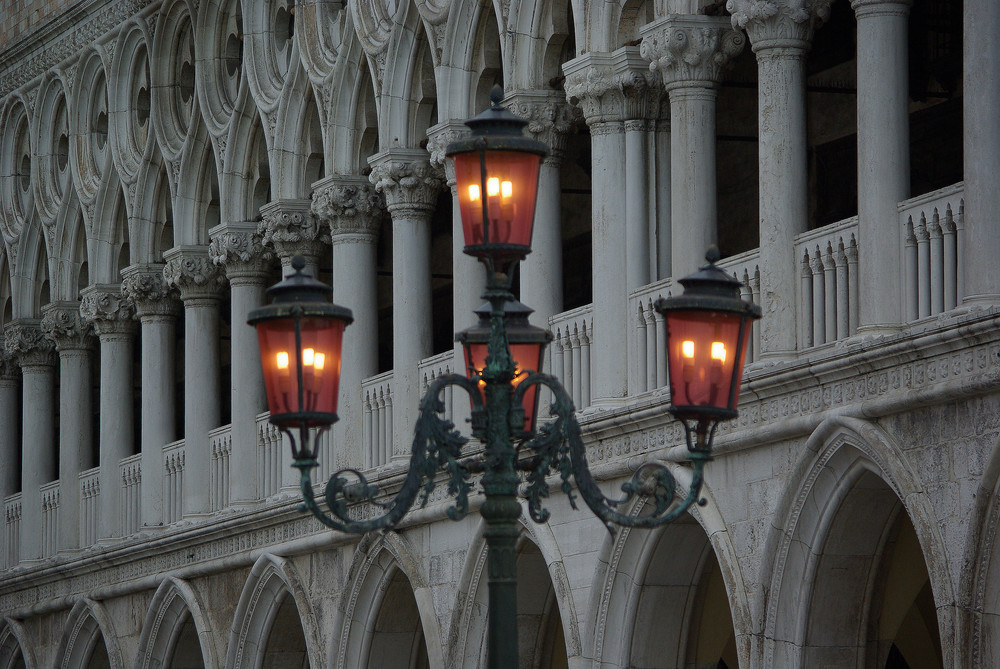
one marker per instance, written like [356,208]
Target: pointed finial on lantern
[298,263]
[496,96]
[712,255]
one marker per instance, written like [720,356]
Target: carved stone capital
[192,273]
[351,207]
[239,249]
[63,324]
[291,229]
[407,180]
[550,118]
[25,342]
[690,50]
[438,138]
[108,309]
[9,370]
[779,24]
[146,287]
[592,85]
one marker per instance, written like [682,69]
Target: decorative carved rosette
[778,23]
[63,324]
[240,249]
[351,207]
[550,118]
[690,50]
[110,312]
[290,227]
[407,180]
[149,292]
[25,342]
[191,271]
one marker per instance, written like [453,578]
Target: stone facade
[160,163]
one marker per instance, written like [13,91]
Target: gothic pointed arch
[409,88]
[16,651]
[131,132]
[174,622]
[475,59]
[352,114]
[16,155]
[89,630]
[273,592]
[150,211]
[297,145]
[31,272]
[980,586]
[197,198]
[247,175]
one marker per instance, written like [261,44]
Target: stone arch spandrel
[271,580]
[14,643]
[836,455]
[88,623]
[980,584]
[175,600]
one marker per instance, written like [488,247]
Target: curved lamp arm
[436,444]
[558,447]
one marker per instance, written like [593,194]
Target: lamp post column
[410,186]
[237,248]
[10,417]
[191,271]
[62,323]
[290,227]
[33,350]
[354,213]
[689,52]
[111,314]
[156,307]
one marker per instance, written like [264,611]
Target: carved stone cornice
[25,342]
[779,24]
[407,180]
[690,50]
[146,287]
[550,118]
[108,309]
[351,207]
[63,324]
[438,138]
[192,273]
[290,228]
[239,248]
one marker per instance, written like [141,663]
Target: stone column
[660,167]
[689,52]
[980,91]
[291,229]
[781,41]
[25,341]
[237,248]
[883,157]
[354,212]
[10,418]
[410,186]
[111,314]
[73,339]
[199,281]
[156,307]
[592,84]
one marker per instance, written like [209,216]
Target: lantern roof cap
[496,129]
[518,329]
[710,288]
[300,295]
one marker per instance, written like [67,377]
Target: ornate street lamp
[497,175]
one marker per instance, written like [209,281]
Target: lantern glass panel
[319,360]
[510,190]
[702,364]
[526,357]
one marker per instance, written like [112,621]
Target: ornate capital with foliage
[291,229]
[146,287]
[25,342]
[550,118]
[9,370]
[438,138]
[239,249]
[350,206]
[591,84]
[63,324]
[191,271]
[690,50]
[407,180]
[773,24]
[108,309]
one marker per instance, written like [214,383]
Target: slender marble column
[354,212]
[592,84]
[291,229]
[410,186]
[112,316]
[191,271]
[25,341]
[781,41]
[10,418]
[237,248]
[661,193]
[883,156]
[62,323]
[156,307]
[689,52]
[981,90]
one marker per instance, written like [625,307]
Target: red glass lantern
[527,348]
[708,329]
[300,336]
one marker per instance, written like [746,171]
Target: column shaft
[75,415]
[661,189]
[247,392]
[116,426]
[201,398]
[541,271]
[157,409]
[10,418]
[636,204]
[38,461]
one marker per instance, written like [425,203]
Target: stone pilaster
[290,228]
[199,280]
[410,185]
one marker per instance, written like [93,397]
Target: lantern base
[307,418]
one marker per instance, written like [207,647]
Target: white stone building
[160,160]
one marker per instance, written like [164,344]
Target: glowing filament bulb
[319,360]
[687,349]
[308,356]
[506,189]
[719,351]
[473,192]
[492,186]
[282,360]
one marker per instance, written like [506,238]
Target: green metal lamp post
[497,180]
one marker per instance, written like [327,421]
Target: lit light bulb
[493,186]
[282,360]
[506,189]
[473,192]
[308,356]
[687,348]
[319,360]
[719,351]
